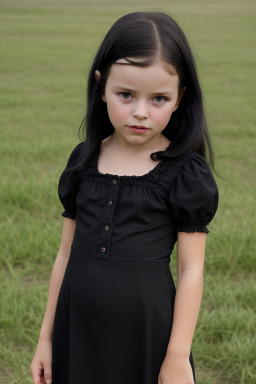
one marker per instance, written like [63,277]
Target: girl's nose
[140,110]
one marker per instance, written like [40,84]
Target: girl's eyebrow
[123,87]
[163,92]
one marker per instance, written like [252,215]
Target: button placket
[107,217]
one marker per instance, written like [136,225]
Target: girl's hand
[41,366]
[175,370]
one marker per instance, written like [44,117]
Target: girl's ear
[97,75]
[182,92]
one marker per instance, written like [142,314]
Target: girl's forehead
[157,62]
[158,73]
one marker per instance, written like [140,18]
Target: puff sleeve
[69,185]
[194,196]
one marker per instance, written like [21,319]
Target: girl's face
[142,97]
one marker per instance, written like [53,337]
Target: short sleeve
[194,196]
[69,185]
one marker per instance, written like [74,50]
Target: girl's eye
[159,99]
[125,95]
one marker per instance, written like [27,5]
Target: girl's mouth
[138,128]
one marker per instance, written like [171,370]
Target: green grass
[46,51]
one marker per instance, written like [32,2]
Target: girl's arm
[42,357]
[58,271]
[190,254]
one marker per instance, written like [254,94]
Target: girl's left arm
[190,255]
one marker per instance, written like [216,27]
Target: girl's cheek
[116,112]
[163,117]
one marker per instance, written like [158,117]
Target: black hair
[148,36]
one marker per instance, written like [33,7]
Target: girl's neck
[116,145]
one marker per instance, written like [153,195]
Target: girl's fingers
[36,373]
[48,373]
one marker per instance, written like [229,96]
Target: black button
[103,249]
[107,228]
[114,181]
[110,203]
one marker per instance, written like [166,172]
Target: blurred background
[46,50]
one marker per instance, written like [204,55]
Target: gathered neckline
[153,171]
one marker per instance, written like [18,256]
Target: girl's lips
[138,129]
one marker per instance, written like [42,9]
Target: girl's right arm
[41,366]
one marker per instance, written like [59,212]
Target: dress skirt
[113,321]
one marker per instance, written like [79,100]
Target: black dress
[115,307]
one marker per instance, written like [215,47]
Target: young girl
[135,186]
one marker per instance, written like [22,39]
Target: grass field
[46,51]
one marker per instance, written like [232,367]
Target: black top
[131,218]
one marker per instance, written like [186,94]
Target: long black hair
[148,36]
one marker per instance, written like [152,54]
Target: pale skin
[41,366]
[141,104]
